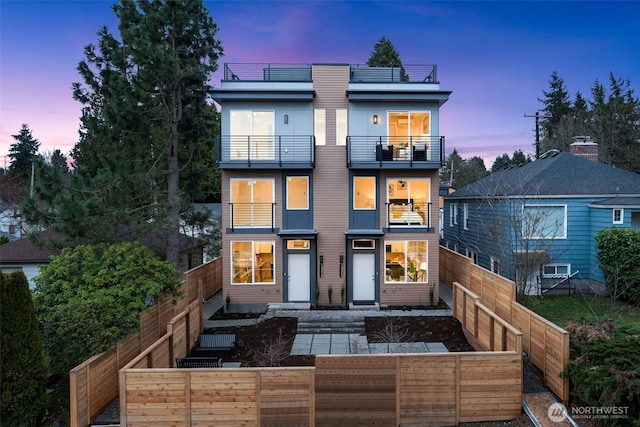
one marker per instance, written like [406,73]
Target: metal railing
[252,215]
[409,214]
[382,149]
[359,73]
[276,149]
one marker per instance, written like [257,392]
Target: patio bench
[198,362]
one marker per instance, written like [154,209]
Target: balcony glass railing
[383,149]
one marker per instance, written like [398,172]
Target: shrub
[619,257]
[24,370]
[88,298]
[605,371]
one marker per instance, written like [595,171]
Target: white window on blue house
[544,222]
[465,216]
[495,265]
[472,254]
[618,216]
[453,214]
[252,135]
[556,271]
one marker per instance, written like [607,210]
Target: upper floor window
[453,214]
[408,124]
[544,222]
[298,192]
[252,202]
[465,216]
[320,126]
[409,201]
[252,135]
[364,192]
[618,216]
[342,126]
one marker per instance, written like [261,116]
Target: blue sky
[496,57]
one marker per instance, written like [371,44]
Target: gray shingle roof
[556,175]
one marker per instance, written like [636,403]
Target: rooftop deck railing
[359,73]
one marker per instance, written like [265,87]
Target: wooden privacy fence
[93,385]
[546,343]
[352,390]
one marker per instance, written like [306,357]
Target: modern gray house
[536,223]
[329,183]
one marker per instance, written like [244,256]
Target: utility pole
[538,116]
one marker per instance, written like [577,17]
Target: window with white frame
[472,254]
[618,216]
[408,201]
[364,192]
[555,271]
[320,126]
[455,214]
[465,216]
[406,261]
[452,208]
[342,126]
[252,135]
[297,192]
[252,202]
[495,265]
[544,222]
[252,262]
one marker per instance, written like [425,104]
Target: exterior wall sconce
[375,119]
[286,119]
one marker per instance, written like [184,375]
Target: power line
[538,116]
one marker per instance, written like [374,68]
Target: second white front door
[364,277]
[299,273]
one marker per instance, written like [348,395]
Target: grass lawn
[563,310]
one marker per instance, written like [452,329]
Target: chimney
[583,146]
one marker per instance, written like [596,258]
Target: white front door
[364,277]
[298,276]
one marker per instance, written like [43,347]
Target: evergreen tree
[145,118]
[23,152]
[505,162]
[385,55]
[459,172]
[556,106]
[24,370]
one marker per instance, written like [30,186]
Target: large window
[406,261]
[556,271]
[252,135]
[298,192]
[252,202]
[544,222]
[320,126]
[408,201]
[252,262]
[364,192]
[408,124]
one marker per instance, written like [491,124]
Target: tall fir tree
[144,120]
[23,152]
[385,55]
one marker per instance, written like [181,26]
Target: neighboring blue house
[536,223]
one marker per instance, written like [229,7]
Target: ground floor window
[406,261]
[555,270]
[252,262]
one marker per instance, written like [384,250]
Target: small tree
[24,370]
[23,152]
[619,257]
[88,298]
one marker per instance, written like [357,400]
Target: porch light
[375,119]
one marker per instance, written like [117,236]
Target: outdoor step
[326,326]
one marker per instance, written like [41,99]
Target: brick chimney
[583,146]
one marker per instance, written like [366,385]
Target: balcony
[252,215]
[265,152]
[395,152]
[403,215]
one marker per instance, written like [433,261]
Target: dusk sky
[497,57]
